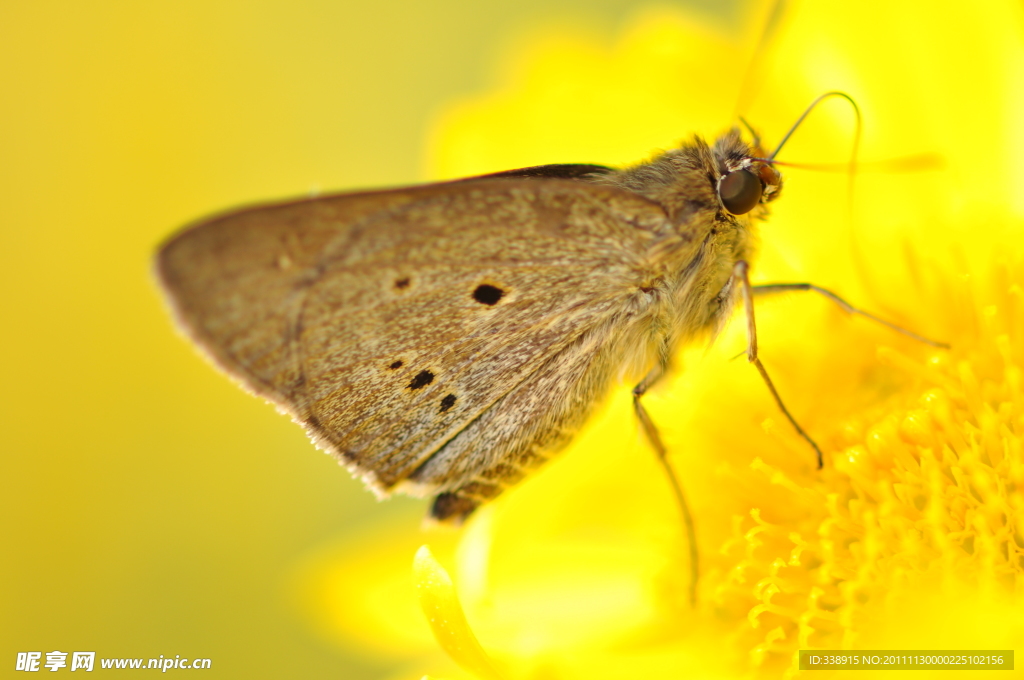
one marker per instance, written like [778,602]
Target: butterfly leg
[651,431]
[747,291]
[769,288]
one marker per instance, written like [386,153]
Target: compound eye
[740,191]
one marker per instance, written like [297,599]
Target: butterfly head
[746,179]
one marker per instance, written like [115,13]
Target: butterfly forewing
[391,323]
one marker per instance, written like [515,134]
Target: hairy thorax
[686,293]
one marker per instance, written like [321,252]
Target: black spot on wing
[422,379]
[447,402]
[487,294]
[395,364]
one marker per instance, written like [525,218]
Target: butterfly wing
[423,334]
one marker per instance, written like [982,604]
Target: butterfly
[446,339]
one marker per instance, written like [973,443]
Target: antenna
[856,134]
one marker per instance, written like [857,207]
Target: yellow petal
[444,613]
[357,591]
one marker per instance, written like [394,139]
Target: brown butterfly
[446,339]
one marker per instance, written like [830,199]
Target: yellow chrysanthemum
[912,537]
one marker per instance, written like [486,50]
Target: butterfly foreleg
[770,288]
[651,432]
[740,275]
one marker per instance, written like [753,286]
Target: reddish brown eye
[740,191]
[769,175]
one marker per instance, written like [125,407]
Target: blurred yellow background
[148,505]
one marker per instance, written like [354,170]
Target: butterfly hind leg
[651,431]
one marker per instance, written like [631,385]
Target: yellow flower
[912,537]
